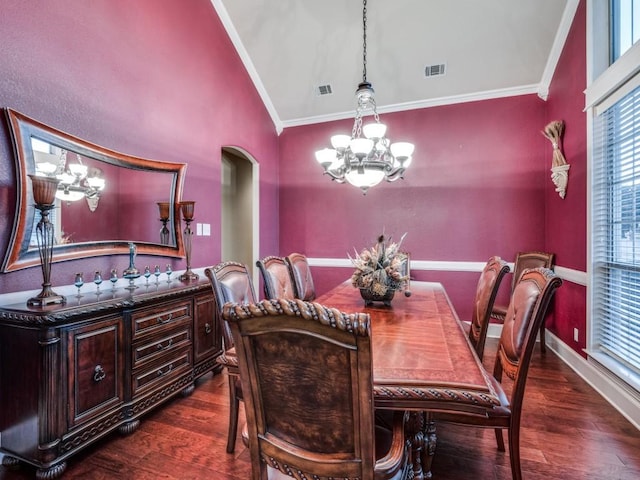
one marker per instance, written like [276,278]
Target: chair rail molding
[568,274]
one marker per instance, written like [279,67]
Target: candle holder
[44,191]
[164,218]
[187,214]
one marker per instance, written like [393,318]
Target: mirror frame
[18,255]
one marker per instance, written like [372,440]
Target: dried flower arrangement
[380,268]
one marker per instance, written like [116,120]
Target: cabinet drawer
[162,371]
[146,320]
[159,345]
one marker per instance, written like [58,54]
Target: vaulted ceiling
[489,49]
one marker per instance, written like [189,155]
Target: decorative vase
[369,296]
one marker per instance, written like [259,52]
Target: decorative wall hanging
[559,166]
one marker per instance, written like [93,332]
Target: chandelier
[367,156]
[76,180]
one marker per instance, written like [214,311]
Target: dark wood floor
[568,432]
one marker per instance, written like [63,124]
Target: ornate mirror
[104,200]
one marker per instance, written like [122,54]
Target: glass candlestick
[187,214]
[44,191]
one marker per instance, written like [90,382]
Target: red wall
[154,79]
[150,78]
[566,220]
[479,186]
[476,188]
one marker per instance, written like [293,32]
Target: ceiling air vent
[434,70]
[324,90]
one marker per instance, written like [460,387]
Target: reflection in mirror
[105,199]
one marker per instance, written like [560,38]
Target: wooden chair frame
[525,260]
[527,309]
[276,278]
[231,282]
[305,418]
[486,292]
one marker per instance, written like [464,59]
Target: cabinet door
[208,338]
[96,369]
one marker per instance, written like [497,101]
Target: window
[614,101]
[616,237]
[625,26]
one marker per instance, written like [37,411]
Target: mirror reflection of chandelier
[77,180]
[364,161]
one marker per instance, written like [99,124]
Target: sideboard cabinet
[70,374]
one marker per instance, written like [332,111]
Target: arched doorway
[239,176]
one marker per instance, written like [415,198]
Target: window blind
[616,235]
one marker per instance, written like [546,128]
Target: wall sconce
[76,180]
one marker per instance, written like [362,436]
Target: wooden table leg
[429,445]
[415,432]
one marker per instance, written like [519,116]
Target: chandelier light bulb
[96,182]
[69,195]
[326,156]
[402,150]
[374,131]
[46,168]
[361,147]
[365,180]
[340,142]
[78,170]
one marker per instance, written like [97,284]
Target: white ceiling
[491,48]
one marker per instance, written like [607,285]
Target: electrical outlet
[575,335]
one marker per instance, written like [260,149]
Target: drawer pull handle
[207,328]
[165,320]
[165,371]
[99,374]
[167,345]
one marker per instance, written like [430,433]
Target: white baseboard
[610,390]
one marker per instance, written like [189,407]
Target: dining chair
[276,278]
[527,309]
[486,291]
[231,282]
[524,260]
[308,418]
[301,275]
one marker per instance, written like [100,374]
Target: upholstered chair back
[301,274]
[276,278]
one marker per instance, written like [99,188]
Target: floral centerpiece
[380,270]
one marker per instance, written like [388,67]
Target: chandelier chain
[364,41]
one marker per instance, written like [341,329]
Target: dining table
[422,361]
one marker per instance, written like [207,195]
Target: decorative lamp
[187,214]
[366,157]
[164,218]
[44,193]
